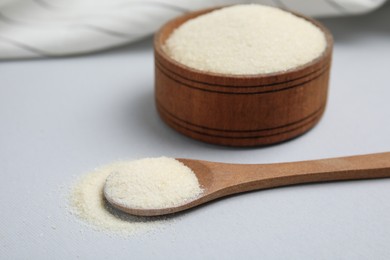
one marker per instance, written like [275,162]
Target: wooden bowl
[240,110]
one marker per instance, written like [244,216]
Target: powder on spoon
[246,39]
[88,204]
[153,183]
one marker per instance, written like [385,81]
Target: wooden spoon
[223,179]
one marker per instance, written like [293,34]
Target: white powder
[146,183]
[87,203]
[246,39]
[153,183]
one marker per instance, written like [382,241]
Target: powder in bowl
[153,183]
[245,40]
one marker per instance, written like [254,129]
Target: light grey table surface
[60,118]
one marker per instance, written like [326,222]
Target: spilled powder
[246,39]
[88,204]
[145,183]
[153,183]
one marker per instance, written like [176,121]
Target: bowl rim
[206,77]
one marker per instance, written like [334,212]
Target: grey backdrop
[60,118]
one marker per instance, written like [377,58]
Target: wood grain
[248,110]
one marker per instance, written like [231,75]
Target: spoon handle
[234,178]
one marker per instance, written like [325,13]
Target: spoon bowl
[222,179]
